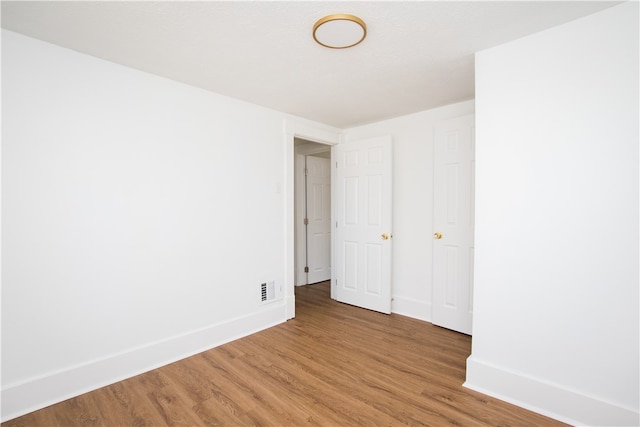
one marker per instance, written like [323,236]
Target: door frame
[313,132]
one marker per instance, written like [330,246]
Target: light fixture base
[339,31]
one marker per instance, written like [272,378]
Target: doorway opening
[312,206]
[326,137]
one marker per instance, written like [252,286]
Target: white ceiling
[417,55]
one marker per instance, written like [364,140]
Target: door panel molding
[453,222]
[363,208]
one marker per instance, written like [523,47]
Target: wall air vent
[267,291]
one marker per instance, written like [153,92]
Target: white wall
[556,272]
[140,217]
[412,135]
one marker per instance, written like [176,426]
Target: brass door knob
[385,236]
[437,235]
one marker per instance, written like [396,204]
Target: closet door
[453,224]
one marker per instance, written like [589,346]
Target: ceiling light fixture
[339,31]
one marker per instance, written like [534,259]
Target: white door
[363,223]
[318,219]
[453,224]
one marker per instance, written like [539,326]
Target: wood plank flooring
[333,365]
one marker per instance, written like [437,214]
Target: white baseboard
[411,308]
[544,398]
[29,396]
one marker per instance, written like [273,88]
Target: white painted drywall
[412,135]
[556,271]
[140,217]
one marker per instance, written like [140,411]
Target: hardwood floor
[333,365]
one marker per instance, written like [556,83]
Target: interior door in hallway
[363,223]
[452,299]
[318,195]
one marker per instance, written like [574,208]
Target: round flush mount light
[339,31]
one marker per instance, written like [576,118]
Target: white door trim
[310,131]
